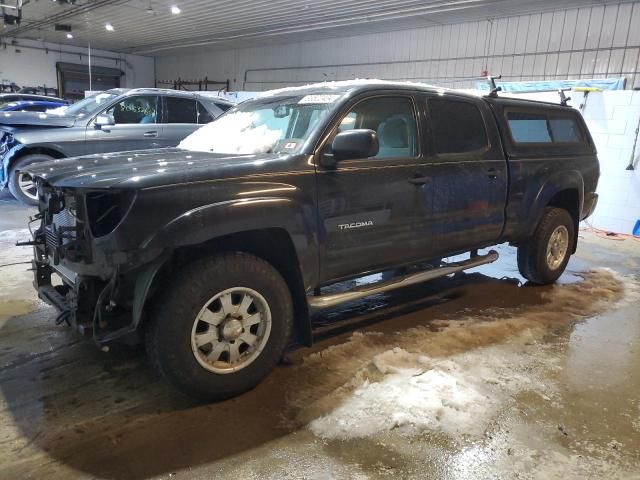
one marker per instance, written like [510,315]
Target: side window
[393,119]
[223,106]
[564,130]
[181,110]
[34,108]
[203,115]
[457,126]
[536,127]
[138,109]
[528,127]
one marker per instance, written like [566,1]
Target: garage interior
[474,375]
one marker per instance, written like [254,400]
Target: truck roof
[169,91]
[364,85]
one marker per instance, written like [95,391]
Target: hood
[35,119]
[152,168]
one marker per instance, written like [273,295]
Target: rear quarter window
[548,128]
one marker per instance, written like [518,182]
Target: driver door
[372,210]
[136,126]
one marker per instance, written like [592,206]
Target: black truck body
[450,173]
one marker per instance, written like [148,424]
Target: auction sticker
[326,98]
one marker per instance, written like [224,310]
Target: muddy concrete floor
[475,376]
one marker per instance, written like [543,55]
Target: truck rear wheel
[221,326]
[544,257]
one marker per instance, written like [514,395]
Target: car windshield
[279,124]
[88,105]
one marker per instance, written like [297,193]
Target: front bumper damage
[97,290]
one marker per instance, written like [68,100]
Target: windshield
[265,125]
[89,104]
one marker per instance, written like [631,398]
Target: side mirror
[352,144]
[104,120]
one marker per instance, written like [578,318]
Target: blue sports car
[32,105]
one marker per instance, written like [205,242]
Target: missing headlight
[105,210]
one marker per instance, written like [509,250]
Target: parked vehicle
[111,121]
[215,252]
[32,105]
[18,97]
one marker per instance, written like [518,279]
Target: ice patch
[456,396]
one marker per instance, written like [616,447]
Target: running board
[325,301]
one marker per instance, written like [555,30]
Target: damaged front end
[79,266]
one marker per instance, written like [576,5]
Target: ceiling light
[175,9]
[69,35]
[109,27]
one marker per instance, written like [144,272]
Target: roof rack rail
[493,88]
[563,98]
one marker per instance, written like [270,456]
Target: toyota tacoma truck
[216,252]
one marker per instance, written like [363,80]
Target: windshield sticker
[318,99]
[290,145]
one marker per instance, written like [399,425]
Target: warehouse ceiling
[160,27]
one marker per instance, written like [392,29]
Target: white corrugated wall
[592,42]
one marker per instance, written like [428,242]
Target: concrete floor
[476,376]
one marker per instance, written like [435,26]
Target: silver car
[110,121]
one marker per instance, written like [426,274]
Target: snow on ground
[417,388]
[457,395]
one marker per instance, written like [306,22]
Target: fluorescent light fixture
[109,27]
[175,9]
[69,35]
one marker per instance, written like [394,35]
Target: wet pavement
[474,376]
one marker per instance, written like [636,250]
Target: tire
[544,257]
[173,334]
[17,181]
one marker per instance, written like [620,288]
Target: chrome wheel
[231,330]
[557,247]
[27,186]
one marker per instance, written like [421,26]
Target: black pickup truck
[216,252]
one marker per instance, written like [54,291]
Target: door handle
[418,179]
[150,134]
[492,173]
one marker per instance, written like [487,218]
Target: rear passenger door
[469,174]
[180,119]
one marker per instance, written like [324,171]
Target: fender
[7,159]
[537,200]
[216,220]
[209,222]
[144,280]
[18,150]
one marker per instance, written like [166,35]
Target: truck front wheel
[221,326]
[544,257]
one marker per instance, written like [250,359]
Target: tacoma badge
[349,226]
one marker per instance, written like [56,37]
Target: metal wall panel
[574,43]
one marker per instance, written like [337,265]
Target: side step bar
[325,301]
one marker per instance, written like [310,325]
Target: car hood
[35,119]
[152,168]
